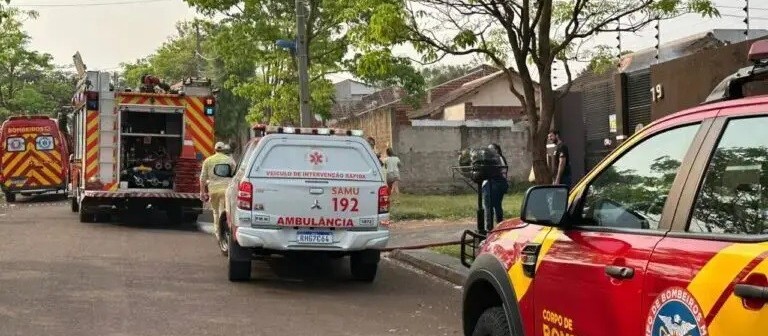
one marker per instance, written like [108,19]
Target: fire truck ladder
[108,136]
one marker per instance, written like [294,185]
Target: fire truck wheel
[364,265]
[86,217]
[175,215]
[190,218]
[10,197]
[239,262]
[74,205]
[493,322]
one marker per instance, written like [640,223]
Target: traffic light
[91,100]
[210,106]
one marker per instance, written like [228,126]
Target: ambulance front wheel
[493,322]
[10,197]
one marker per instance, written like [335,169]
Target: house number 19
[657,93]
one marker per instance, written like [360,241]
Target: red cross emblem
[316,158]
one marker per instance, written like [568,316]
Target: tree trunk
[538,136]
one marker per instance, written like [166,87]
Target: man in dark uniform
[561,160]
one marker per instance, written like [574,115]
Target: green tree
[337,40]
[19,66]
[513,34]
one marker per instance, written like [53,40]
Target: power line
[91,4]
[742,7]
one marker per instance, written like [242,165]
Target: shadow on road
[305,273]
[44,198]
[150,219]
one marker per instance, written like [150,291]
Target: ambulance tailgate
[316,181]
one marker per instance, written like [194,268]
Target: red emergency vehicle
[139,150]
[668,235]
[33,159]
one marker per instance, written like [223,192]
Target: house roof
[444,101]
[391,95]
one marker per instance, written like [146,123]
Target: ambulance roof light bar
[306,130]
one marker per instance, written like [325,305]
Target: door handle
[620,272]
[753,292]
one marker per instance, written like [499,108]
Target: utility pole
[305,114]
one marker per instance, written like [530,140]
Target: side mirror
[545,205]
[222,170]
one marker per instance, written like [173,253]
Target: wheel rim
[224,241]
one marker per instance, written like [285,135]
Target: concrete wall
[429,152]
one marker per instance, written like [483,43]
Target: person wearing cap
[212,187]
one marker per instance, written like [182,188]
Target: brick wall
[492,112]
[428,153]
[375,123]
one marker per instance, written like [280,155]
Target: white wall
[454,112]
[360,89]
[495,93]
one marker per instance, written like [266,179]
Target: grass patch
[450,250]
[449,207]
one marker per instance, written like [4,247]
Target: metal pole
[301,57]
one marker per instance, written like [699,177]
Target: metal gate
[638,93]
[598,104]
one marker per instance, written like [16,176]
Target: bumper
[284,239]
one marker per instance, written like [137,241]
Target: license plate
[18,180]
[304,237]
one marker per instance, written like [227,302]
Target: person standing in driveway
[212,187]
[493,191]
[562,160]
[392,164]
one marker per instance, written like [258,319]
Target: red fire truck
[138,150]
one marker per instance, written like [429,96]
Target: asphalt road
[62,277]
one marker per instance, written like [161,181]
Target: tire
[103,217]
[86,217]
[74,205]
[225,236]
[190,218]
[10,197]
[175,215]
[364,265]
[239,269]
[493,322]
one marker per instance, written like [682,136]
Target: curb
[440,265]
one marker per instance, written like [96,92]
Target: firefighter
[212,187]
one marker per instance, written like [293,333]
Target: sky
[108,32]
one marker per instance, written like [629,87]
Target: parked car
[668,235]
[306,191]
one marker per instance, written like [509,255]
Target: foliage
[245,40]
[449,207]
[512,33]
[29,84]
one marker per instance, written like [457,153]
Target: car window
[733,198]
[240,168]
[630,193]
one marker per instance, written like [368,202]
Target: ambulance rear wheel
[10,197]
[364,265]
[493,322]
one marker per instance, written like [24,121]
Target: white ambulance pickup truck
[305,190]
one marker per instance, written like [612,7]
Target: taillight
[383,199]
[244,195]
